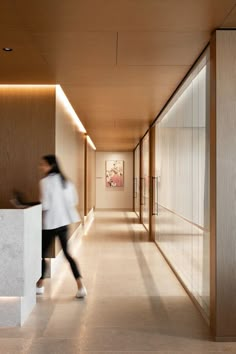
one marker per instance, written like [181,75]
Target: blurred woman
[59,199]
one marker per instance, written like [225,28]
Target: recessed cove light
[7,49]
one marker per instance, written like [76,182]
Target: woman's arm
[44,194]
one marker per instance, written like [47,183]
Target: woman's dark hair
[55,168]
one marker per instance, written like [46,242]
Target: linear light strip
[70,109]
[26,86]
[89,140]
[62,96]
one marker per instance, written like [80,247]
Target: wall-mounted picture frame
[114,170]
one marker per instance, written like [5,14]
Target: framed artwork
[114,173]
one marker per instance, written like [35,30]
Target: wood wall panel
[145,181]
[91,178]
[70,150]
[137,180]
[27,132]
[213,185]
[80,142]
[153,176]
[225,182]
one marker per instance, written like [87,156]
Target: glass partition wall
[181,190]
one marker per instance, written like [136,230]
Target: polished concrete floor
[135,305]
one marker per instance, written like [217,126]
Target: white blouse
[58,202]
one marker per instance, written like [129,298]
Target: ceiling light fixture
[60,95]
[7,49]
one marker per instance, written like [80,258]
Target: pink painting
[114,173]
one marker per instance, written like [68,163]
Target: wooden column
[89,179]
[223,185]
[152,156]
[141,181]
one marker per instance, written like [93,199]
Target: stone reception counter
[20,262]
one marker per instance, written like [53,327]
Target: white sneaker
[39,291]
[81,292]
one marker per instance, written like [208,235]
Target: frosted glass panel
[182,171]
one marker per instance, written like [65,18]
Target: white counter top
[20,262]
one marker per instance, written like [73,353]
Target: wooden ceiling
[118,61]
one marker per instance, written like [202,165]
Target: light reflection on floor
[187,248]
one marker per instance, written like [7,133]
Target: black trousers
[48,236]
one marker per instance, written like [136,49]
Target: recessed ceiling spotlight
[7,49]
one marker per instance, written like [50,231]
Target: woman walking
[59,198]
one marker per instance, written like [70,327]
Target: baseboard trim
[225,339]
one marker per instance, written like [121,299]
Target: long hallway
[134,305]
